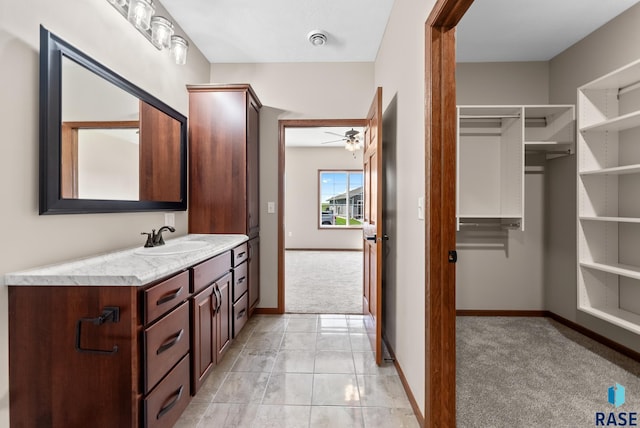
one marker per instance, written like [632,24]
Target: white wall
[399,69]
[293,91]
[29,239]
[612,46]
[301,198]
[505,270]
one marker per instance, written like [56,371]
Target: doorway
[320,215]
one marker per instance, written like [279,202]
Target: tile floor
[301,370]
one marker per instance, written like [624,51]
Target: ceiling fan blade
[334,133]
[333,141]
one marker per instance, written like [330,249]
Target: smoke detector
[317,37]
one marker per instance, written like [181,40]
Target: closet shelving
[492,142]
[608,203]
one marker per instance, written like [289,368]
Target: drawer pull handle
[109,314]
[241,314]
[176,338]
[170,406]
[241,255]
[241,280]
[169,297]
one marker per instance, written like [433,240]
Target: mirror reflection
[114,146]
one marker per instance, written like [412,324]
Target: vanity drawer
[240,281]
[208,271]
[240,254]
[164,296]
[164,344]
[240,314]
[163,407]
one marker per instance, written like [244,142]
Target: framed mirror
[105,144]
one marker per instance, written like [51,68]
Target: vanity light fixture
[161,31]
[179,49]
[157,29]
[140,13]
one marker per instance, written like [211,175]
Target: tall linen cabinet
[223,168]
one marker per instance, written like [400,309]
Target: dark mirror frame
[52,50]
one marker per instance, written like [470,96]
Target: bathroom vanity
[124,339]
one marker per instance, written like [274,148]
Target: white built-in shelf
[618,170]
[620,78]
[619,123]
[619,317]
[549,146]
[617,269]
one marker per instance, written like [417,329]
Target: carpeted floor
[323,282]
[535,372]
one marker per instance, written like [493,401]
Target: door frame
[282,125]
[440,232]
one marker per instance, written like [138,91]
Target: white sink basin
[171,248]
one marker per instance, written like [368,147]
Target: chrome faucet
[154,239]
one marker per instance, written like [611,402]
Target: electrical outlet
[170,219]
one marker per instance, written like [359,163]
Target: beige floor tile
[264,340]
[192,414]
[338,325]
[255,360]
[336,416]
[289,388]
[334,362]
[294,361]
[299,341]
[382,391]
[379,417]
[335,390]
[277,416]
[229,415]
[337,341]
[302,325]
[360,342]
[241,387]
[365,363]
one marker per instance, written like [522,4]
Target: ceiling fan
[351,140]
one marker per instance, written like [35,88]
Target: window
[341,201]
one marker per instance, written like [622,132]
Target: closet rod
[551,152]
[629,88]
[489,116]
[502,225]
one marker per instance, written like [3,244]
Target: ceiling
[258,31]
[252,31]
[529,30]
[318,136]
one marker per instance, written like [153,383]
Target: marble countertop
[130,267]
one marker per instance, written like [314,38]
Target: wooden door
[372,228]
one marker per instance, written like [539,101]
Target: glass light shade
[161,31]
[140,13]
[179,49]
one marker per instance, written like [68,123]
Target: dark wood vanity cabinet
[122,356]
[75,362]
[224,168]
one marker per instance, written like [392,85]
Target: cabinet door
[254,273]
[203,331]
[253,174]
[223,316]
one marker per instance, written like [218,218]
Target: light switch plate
[271,207]
[421,208]
[170,219]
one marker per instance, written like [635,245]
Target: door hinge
[453,256]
